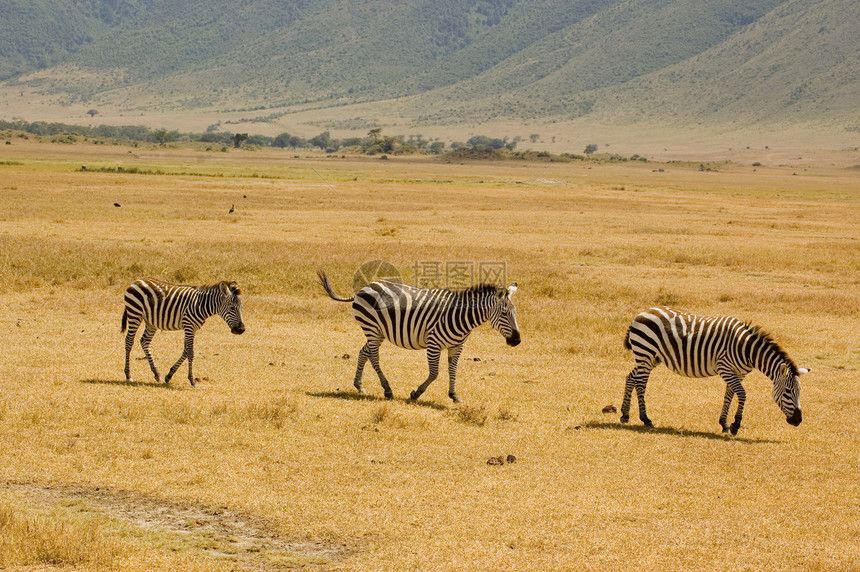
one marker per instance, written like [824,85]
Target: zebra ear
[224,287]
[783,370]
[512,289]
[234,288]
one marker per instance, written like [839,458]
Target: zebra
[422,318]
[699,346]
[162,306]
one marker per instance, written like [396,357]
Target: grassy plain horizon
[274,462]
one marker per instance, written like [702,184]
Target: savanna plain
[273,461]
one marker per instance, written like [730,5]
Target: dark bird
[231,209]
[117,205]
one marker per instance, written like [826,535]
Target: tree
[162,136]
[591,148]
[486,142]
[93,112]
[323,140]
[282,140]
[238,139]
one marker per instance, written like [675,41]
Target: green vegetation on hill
[451,62]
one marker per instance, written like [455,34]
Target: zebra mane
[484,288]
[232,286]
[768,339]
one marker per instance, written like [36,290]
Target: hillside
[457,62]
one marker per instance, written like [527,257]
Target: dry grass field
[274,462]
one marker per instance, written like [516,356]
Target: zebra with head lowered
[698,346]
[431,319]
[162,306]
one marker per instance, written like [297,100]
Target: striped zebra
[698,346]
[431,319]
[162,306]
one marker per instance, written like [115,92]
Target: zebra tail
[124,320]
[627,340]
[327,286]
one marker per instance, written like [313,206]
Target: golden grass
[275,436]
[32,540]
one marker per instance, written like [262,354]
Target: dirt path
[218,532]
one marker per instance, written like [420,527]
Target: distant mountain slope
[452,60]
[682,61]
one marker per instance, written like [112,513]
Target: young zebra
[697,346]
[162,306]
[419,318]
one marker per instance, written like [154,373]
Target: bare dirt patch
[217,531]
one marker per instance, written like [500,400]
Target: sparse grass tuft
[473,414]
[380,414]
[275,413]
[507,414]
[182,412]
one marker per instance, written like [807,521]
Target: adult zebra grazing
[698,346]
[419,318]
[163,306]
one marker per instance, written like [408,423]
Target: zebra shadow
[674,432]
[354,396]
[124,383]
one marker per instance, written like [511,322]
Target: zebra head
[503,316]
[786,392]
[230,306]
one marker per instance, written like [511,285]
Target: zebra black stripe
[162,306]
[701,346]
[431,319]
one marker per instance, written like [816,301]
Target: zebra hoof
[414,396]
[454,397]
[389,395]
[734,429]
[625,419]
[647,423]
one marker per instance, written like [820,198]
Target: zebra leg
[629,384]
[733,385]
[453,358]
[727,401]
[129,344]
[188,353]
[742,397]
[433,352]
[145,339]
[637,379]
[362,359]
[373,354]
[640,395]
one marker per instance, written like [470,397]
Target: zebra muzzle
[514,340]
[795,419]
[240,329]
